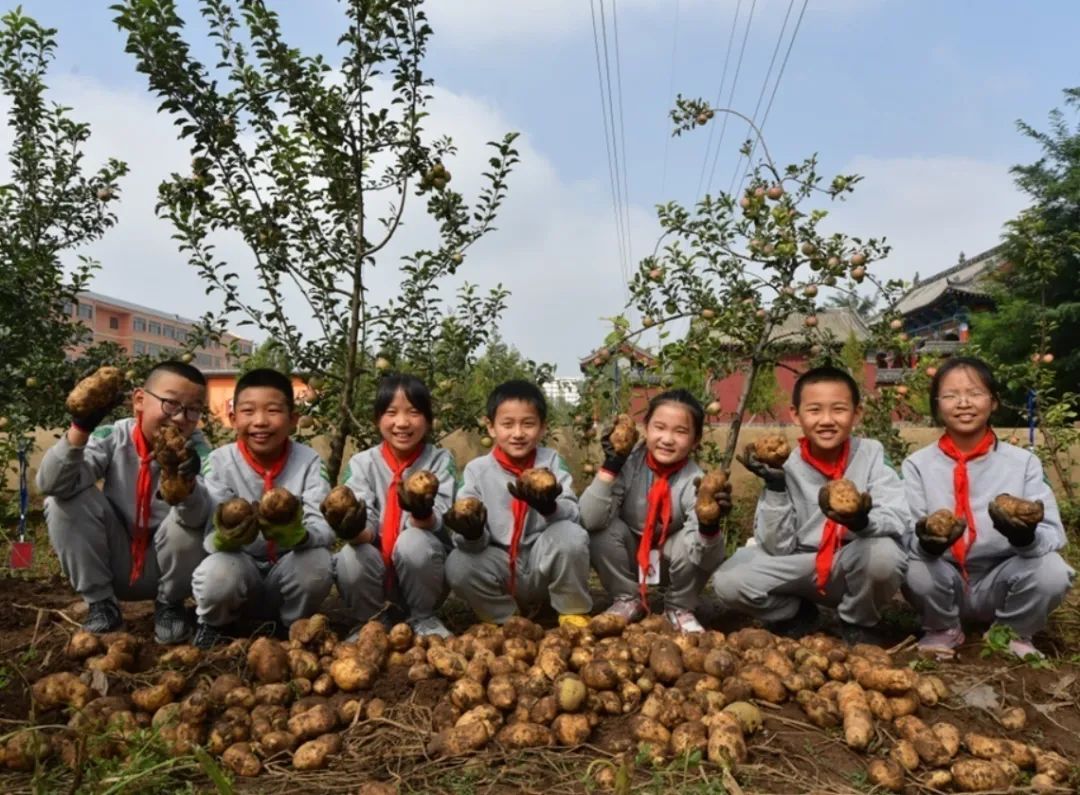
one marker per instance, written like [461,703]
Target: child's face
[826,414]
[516,429]
[169,399]
[402,425]
[262,419]
[964,404]
[669,433]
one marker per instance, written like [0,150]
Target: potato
[449,664]
[151,699]
[466,693]
[1028,512]
[766,685]
[624,435]
[267,661]
[607,625]
[887,774]
[278,506]
[653,732]
[115,659]
[938,779]
[1020,754]
[312,754]
[520,648]
[772,450]
[241,761]
[375,709]
[302,664]
[748,714]
[545,709]
[460,740]
[720,663]
[630,695]
[351,674]
[736,689]
[838,672]
[930,689]
[1052,765]
[570,693]
[705,505]
[83,644]
[890,681]
[665,660]
[571,728]
[185,656]
[539,480]
[751,638]
[879,705]
[1041,782]
[525,735]
[821,711]
[318,720]
[309,630]
[323,685]
[689,737]
[25,749]
[501,691]
[1013,718]
[95,392]
[422,483]
[905,755]
[277,693]
[976,775]
[726,744]
[948,735]
[858,720]
[275,742]
[942,523]
[844,497]
[930,749]
[601,675]
[62,689]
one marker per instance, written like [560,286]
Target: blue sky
[920,97]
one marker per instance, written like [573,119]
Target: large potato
[312,754]
[460,740]
[927,745]
[525,735]
[241,761]
[887,774]
[318,720]
[601,675]
[748,714]
[726,743]
[624,435]
[843,496]
[62,689]
[1029,512]
[977,775]
[351,674]
[665,660]
[766,685]
[855,711]
[95,392]
[772,450]
[891,681]
[267,661]
[278,506]
[571,728]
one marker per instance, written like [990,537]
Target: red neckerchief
[659,510]
[520,508]
[833,533]
[962,490]
[144,494]
[268,474]
[391,518]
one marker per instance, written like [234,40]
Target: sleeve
[356,478]
[890,516]
[195,511]
[601,501]
[446,471]
[470,487]
[566,504]
[915,495]
[1050,534]
[218,491]
[66,470]
[774,523]
[316,487]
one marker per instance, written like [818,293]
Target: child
[285,573]
[531,547]
[404,536]
[991,568]
[123,541]
[854,561]
[644,503]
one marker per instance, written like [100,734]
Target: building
[563,390]
[142,331]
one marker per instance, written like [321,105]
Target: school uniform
[405,564]
[261,580]
[615,514]
[983,577]
[547,558]
[799,554]
[121,541]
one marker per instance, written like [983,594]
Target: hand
[287,534]
[420,504]
[232,539]
[857,520]
[190,467]
[617,443]
[773,476]
[537,487]
[94,397]
[348,523]
[467,517]
[1019,532]
[936,545]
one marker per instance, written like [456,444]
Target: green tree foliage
[270,353]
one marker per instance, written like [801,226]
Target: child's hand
[855,519]
[416,494]
[236,524]
[346,514]
[618,442]
[1019,525]
[773,476]
[467,517]
[932,541]
[281,518]
[539,488]
[94,397]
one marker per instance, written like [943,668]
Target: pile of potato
[517,686]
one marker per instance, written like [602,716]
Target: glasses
[975,396]
[174,407]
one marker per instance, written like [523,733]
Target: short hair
[686,400]
[267,377]
[176,367]
[978,367]
[415,391]
[825,374]
[517,389]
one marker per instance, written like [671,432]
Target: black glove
[192,465]
[350,524]
[773,476]
[469,524]
[615,460]
[1019,533]
[857,521]
[420,506]
[936,545]
[541,500]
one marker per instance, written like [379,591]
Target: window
[138,324]
[114,323]
[69,308]
[86,312]
[168,331]
[154,327]
[203,359]
[139,347]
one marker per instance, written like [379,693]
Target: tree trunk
[736,421]
[344,418]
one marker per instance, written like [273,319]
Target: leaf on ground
[99,682]
[1060,687]
[982,696]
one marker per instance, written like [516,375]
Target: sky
[920,97]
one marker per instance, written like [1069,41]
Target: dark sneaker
[207,636]
[804,622]
[171,624]
[103,616]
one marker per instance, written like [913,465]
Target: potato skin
[268,661]
[624,435]
[890,681]
[278,506]
[422,483]
[312,754]
[942,523]
[471,736]
[975,775]
[843,496]
[351,674]
[665,660]
[62,689]
[239,758]
[570,693]
[1026,511]
[772,450]
[705,506]
[571,728]
[316,721]
[858,720]
[765,684]
[525,735]
[540,479]
[607,625]
[96,392]
[83,644]
[886,773]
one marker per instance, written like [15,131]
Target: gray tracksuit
[766,580]
[614,513]
[229,584]
[419,555]
[553,557]
[90,529]
[1015,586]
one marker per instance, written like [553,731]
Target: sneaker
[683,620]
[573,620]
[1024,648]
[208,636]
[171,624]
[942,642]
[804,622]
[429,626]
[103,616]
[629,607]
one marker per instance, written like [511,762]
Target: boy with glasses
[124,541]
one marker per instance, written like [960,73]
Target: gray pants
[1017,592]
[94,546]
[686,563]
[554,567]
[419,560]
[228,585]
[866,574]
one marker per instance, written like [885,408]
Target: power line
[622,139]
[670,99]
[719,96]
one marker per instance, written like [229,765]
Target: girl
[640,512]
[400,557]
[992,568]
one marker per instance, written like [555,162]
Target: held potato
[339,503]
[624,435]
[241,761]
[312,754]
[844,497]
[1028,512]
[942,524]
[96,392]
[705,506]
[278,506]
[267,661]
[539,480]
[422,483]
[887,774]
[772,450]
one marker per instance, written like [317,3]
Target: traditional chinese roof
[969,277]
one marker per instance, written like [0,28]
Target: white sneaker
[429,626]
[683,620]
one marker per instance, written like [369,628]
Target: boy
[124,541]
[262,569]
[527,544]
[852,561]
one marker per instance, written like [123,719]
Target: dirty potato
[313,754]
[268,661]
[278,506]
[772,450]
[1027,512]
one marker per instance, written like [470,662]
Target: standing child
[274,569]
[401,554]
[642,505]
[123,541]
[524,545]
[988,565]
[807,551]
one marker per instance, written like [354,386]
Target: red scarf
[144,494]
[659,510]
[391,518]
[268,474]
[833,533]
[520,508]
[962,490]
